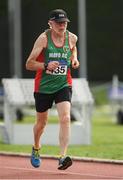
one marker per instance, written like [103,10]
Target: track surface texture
[19,167]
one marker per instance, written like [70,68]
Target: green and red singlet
[61,76]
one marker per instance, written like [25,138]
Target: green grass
[31,119]
[100,95]
[107,141]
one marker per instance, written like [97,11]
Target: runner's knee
[41,123]
[65,119]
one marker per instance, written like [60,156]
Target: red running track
[19,167]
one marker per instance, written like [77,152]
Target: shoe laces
[36,154]
[61,159]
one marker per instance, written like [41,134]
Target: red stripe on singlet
[39,72]
[69,78]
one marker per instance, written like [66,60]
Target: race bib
[60,70]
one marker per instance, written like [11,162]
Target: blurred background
[104,34]
[99,26]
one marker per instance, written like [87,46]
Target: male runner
[53,54]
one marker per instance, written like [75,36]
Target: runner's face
[59,27]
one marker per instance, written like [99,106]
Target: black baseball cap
[58,15]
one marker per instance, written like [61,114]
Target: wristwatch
[45,66]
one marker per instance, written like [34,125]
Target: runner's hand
[75,63]
[52,66]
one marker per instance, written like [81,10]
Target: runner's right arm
[32,64]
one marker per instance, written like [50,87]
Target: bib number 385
[60,70]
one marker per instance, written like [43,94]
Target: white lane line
[67,173]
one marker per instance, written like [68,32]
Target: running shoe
[64,163]
[35,158]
